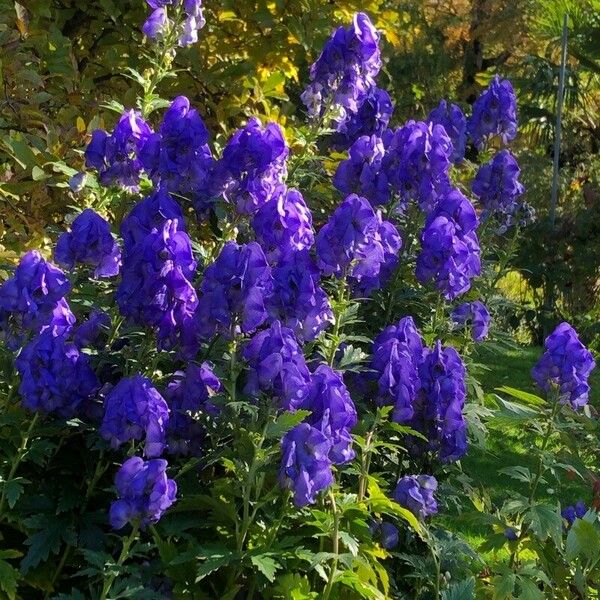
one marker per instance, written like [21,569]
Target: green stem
[336,549]
[366,460]
[21,452]
[436,562]
[339,309]
[108,581]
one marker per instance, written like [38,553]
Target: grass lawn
[507,448]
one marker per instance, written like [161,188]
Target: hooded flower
[453,120]
[305,465]
[475,315]
[33,299]
[417,494]
[253,165]
[565,367]
[276,364]
[235,291]
[570,513]
[92,333]
[135,410]
[494,113]
[333,412]
[450,253]
[417,162]
[283,223]
[298,300]
[189,393]
[89,242]
[144,491]
[56,378]
[116,155]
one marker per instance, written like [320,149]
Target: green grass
[509,446]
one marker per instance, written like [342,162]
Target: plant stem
[436,562]
[18,458]
[366,459]
[340,306]
[108,581]
[336,551]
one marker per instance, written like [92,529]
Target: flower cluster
[565,367]
[385,533]
[417,494]
[363,172]
[453,120]
[155,289]
[93,332]
[417,162]
[253,165]
[116,156]
[144,492]
[332,412]
[450,253]
[178,156]
[277,365]
[89,242]
[397,354]
[570,513]
[498,187]
[356,242]
[305,465]
[494,113]
[158,23]
[33,299]
[188,394]
[298,300]
[343,76]
[473,314]
[55,376]
[134,409]
[371,118]
[235,291]
[283,223]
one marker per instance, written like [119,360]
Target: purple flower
[178,156]
[450,253]
[565,367]
[417,494]
[189,393]
[494,113]
[439,408]
[397,355]
[498,187]
[344,74]
[89,242]
[156,24]
[32,299]
[452,119]
[56,378]
[283,223]
[156,287]
[144,492]
[235,291]
[371,118]
[349,235]
[134,409]
[333,412]
[298,300]
[92,333]
[417,162]
[363,173]
[253,165]
[305,465]
[570,513]
[116,155]
[276,364]
[476,315]
[148,214]
[77,182]
[510,534]
[385,533]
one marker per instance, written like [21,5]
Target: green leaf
[511,412]
[53,531]
[352,580]
[545,521]
[8,579]
[529,590]
[284,422]
[503,585]
[465,590]
[214,557]
[583,540]
[521,395]
[349,541]
[13,490]
[266,565]
[517,472]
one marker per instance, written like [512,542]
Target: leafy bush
[278,374]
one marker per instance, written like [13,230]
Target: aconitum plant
[417,494]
